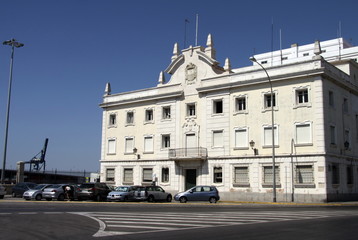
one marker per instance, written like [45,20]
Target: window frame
[126,147]
[166,113]
[112,120]
[238,104]
[146,118]
[218,175]
[109,149]
[246,141]
[301,143]
[165,175]
[145,144]
[215,109]
[125,175]
[244,177]
[145,178]
[213,142]
[304,176]
[189,110]
[165,140]
[111,174]
[129,118]
[267,180]
[276,136]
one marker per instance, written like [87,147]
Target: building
[211,125]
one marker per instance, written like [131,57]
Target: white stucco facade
[196,128]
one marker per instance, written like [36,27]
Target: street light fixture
[13,43]
[253,59]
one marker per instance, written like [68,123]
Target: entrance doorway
[190,178]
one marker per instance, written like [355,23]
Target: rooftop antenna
[185,22]
[196,31]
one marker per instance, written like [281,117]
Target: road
[91,220]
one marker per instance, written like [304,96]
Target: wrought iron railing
[188,153]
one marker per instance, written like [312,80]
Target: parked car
[199,193]
[152,194]
[122,193]
[19,189]
[36,193]
[57,192]
[2,191]
[93,191]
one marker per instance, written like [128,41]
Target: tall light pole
[272,131]
[13,43]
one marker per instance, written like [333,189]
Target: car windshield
[121,189]
[86,185]
[41,186]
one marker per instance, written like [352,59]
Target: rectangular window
[268,136]
[304,174]
[148,144]
[331,98]
[218,106]
[128,176]
[129,145]
[130,117]
[110,174]
[268,175]
[345,105]
[332,130]
[112,119]
[335,174]
[147,175]
[240,104]
[111,146]
[165,175]
[166,112]
[349,174]
[241,138]
[218,175]
[241,175]
[165,141]
[191,109]
[218,140]
[149,115]
[302,96]
[356,127]
[347,139]
[268,100]
[303,134]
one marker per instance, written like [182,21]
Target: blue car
[199,193]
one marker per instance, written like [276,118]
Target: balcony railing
[198,153]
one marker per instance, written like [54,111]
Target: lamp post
[253,59]
[13,43]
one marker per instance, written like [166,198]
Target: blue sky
[72,48]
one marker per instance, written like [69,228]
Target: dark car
[93,191]
[152,194]
[199,193]
[19,189]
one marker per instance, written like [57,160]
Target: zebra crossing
[112,223]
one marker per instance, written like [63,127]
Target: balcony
[198,153]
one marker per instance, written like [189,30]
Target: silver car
[2,191]
[152,194]
[36,193]
[57,192]
[122,193]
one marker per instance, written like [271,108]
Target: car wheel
[169,198]
[212,200]
[1,196]
[61,197]
[151,198]
[183,199]
[38,197]
[49,199]
[125,199]
[79,198]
